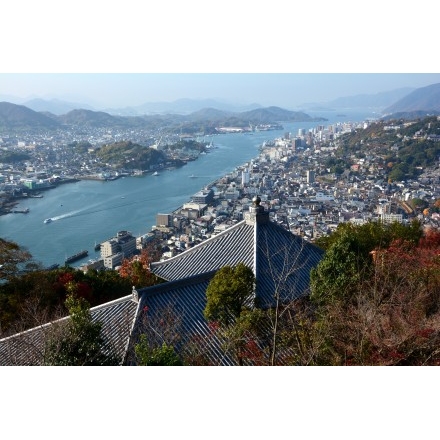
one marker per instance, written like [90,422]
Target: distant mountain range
[406,103]
[377,101]
[14,116]
[180,106]
[425,99]
[42,114]
[55,106]
[20,117]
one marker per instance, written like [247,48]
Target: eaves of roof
[172,313]
[28,347]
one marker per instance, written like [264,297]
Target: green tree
[348,255]
[372,235]
[159,356]
[338,270]
[79,342]
[14,260]
[229,292]
[419,203]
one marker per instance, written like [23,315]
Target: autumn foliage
[137,268]
[392,315]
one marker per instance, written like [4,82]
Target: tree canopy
[79,343]
[14,260]
[228,293]
[348,255]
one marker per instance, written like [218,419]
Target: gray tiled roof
[172,312]
[117,317]
[283,264]
[230,247]
[280,260]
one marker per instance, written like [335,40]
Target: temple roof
[280,260]
[117,318]
[172,312]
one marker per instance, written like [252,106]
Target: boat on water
[53,266]
[155,173]
[192,176]
[48,220]
[76,257]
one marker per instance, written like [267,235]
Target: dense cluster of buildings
[291,175]
[244,217]
[299,192]
[50,159]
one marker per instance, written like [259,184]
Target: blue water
[88,212]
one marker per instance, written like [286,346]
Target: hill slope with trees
[422,99]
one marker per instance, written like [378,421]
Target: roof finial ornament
[256,213]
[134,294]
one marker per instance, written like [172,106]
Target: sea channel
[88,212]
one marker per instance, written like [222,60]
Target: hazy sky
[207,50]
[285,90]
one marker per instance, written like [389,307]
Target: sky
[287,90]
[267,54]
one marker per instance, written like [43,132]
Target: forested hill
[423,99]
[14,116]
[18,117]
[406,147]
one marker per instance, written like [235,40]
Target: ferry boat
[48,220]
[76,257]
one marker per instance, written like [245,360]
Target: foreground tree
[78,341]
[44,293]
[392,315]
[230,291]
[348,256]
[233,320]
[159,356]
[14,260]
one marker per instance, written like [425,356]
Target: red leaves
[137,269]
[425,332]
[66,278]
[394,319]
[83,290]
[213,326]
[252,353]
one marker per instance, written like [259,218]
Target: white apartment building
[114,250]
[391,218]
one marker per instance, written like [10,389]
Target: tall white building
[245,177]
